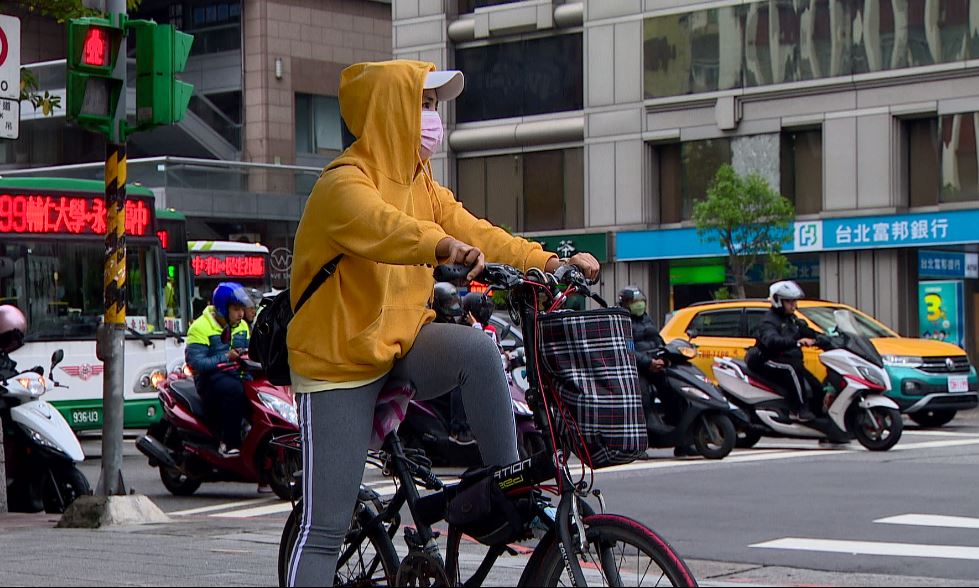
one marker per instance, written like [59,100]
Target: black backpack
[268,341]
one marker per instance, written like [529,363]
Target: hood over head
[381,105]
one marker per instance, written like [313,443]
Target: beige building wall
[315,40]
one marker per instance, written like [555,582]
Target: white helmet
[784,290]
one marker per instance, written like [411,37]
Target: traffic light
[161,53]
[93,91]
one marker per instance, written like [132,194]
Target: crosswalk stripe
[925,520]
[278,508]
[873,548]
[222,506]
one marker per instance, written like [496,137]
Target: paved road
[786,512]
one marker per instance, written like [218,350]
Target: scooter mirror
[57,357]
[692,333]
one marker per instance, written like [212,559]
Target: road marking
[935,444]
[873,548]
[277,508]
[939,433]
[222,506]
[924,520]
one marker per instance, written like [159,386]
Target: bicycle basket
[590,356]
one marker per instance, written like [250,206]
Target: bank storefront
[944,247]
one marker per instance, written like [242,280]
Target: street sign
[9,57]
[9,118]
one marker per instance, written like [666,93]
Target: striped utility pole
[112,332]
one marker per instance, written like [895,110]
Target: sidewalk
[210,552]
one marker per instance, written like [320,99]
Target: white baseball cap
[448,84]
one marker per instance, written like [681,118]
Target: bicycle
[579,546]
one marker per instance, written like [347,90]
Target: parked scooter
[701,417]
[184,444]
[856,408]
[41,449]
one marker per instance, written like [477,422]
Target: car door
[717,333]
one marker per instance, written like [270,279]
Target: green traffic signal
[161,53]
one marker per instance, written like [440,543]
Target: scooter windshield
[856,341]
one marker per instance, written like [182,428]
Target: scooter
[41,449]
[857,406]
[705,418]
[184,444]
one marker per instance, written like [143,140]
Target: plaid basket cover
[590,355]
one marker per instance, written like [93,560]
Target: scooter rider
[13,327]
[777,353]
[214,343]
[647,338]
[446,304]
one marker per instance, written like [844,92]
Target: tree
[749,219]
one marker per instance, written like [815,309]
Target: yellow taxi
[931,380]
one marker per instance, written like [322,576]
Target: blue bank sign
[867,232]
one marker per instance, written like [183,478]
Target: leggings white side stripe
[306,521]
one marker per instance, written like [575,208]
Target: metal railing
[196,174]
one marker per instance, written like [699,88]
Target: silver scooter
[856,408]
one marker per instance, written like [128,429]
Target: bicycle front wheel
[620,552]
[371,561]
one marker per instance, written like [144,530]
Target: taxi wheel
[933,418]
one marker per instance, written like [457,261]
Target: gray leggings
[336,428]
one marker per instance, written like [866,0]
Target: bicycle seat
[186,394]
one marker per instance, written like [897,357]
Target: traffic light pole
[112,332]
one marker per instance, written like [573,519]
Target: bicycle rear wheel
[620,552]
[372,562]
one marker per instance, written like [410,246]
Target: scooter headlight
[695,392]
[40,439]
[35,386]
[872,376]
[284,409]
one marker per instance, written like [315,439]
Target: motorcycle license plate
[958,384]
[86,417]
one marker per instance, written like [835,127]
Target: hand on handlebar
[807,342]
[453,251]
[585,262]
[233,355]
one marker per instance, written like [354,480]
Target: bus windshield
[59,287]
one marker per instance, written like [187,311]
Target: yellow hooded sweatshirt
[377,205]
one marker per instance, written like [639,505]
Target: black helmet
[13,327]
[479,305]
[446,303]
[630,294]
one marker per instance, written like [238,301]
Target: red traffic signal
[95,48]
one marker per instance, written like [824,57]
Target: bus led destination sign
[228,266]
[49,214]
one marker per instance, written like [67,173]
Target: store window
[802,169]
[318,124]
[502,83]
[941,159]
[536,191]
[686,171]
[759,43]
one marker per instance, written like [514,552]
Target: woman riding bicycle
[378,205]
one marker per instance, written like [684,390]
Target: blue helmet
[228,293]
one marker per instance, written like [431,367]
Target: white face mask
[432,133]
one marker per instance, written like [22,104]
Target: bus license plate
[958,384]
[86,417]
